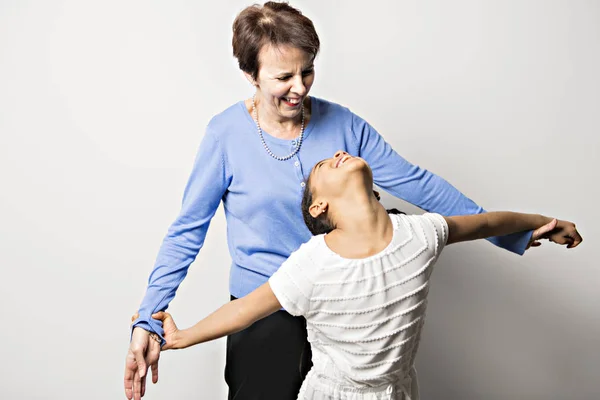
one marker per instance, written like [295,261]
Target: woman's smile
[293,102]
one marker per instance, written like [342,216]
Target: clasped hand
[557,231]
[144,350]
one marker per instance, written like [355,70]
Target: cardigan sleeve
[418,186]
[205,188]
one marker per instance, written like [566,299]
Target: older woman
[255,157]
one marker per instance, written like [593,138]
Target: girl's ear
[318,208]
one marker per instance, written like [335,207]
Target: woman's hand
[142,352]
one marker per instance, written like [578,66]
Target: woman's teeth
[292,101]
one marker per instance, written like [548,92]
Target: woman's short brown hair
[273,23]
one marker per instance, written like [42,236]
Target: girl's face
[333,177]
[284,79]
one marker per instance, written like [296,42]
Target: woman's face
[284,79]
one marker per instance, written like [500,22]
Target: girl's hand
[557,231]
[172,333]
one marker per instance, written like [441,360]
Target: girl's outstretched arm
[230,318]
[471,227]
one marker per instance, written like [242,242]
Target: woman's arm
[472,227]
[206,185]
[419,186]
[230,318]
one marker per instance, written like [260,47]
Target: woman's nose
[339,153]
[298,87]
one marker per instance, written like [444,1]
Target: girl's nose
[339,153]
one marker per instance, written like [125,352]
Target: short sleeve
[438,225]
[292,284]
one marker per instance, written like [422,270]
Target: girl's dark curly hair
[321,224]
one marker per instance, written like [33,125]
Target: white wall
[103,104]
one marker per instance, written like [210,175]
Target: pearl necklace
[262,139]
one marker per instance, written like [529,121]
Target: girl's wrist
[180,339]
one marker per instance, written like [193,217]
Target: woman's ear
[250,79]
[318,208]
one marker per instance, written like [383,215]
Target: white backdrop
[103,105]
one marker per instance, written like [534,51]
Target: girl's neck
[366,230]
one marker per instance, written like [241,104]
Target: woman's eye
[287,77]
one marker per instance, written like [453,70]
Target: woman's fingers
[152,358]
[541,231]
[130,369]
[154,368]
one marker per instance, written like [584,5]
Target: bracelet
[155,337]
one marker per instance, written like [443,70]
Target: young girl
[361,283]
